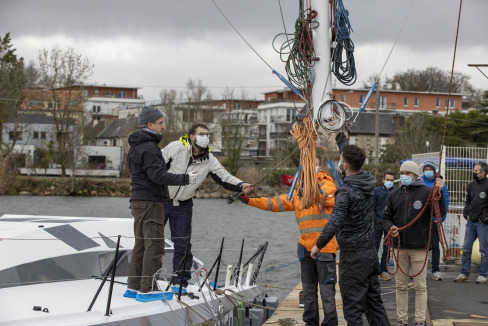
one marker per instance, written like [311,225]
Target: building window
[269,99]
[437,102]
[452,104]
[43,135]
[36,135]
[72,103]
[405,101]
[122,94]
[108,93]
[96,92]
[361,99]
[382,102]
[416,102]
[237,106]
[96,109]
[15,135]
[224,105]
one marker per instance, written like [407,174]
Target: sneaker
[300,300]
[437,276]
[154,296]
[176,289]
[461,278]
[384,276]
[481,279]
[129,293]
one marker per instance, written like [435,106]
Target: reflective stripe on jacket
[311,221]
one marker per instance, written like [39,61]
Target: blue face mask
[429,174]
[406,180]
[388,184]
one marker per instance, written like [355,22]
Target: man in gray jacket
[191,154]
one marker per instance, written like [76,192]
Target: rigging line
[216,5]
[482,72]
[450,83]
[284,26]
[396,40]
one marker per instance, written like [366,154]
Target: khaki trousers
[411,261]
[148,252]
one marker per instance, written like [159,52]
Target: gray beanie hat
[410,166]
[428,164]
[149,114]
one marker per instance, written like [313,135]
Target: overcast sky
[155,44]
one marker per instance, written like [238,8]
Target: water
[212,220]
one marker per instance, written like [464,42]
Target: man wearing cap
[429,177]
[191,154]
[403,205]
[149,187]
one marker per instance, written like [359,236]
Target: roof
[94,128]
[366,123]
[119,128]
[35,118]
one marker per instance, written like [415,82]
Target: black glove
[244,199]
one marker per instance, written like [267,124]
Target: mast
[322,35]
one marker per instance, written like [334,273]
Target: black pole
[260,261]
[238,267]
[213,265]
[173,277]
[184,267]
[107,312]
[253,256]
[101,286]
[218,265]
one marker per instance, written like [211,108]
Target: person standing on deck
[149,187]
[429,179]
[351,222]
[322,271]
[380,196]
[191,154]
[404,205]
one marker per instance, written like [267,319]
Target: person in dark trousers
[476,214]
[380,196]
[320,272]
[351,222]
[429,177]
[149,187]
[404,205]
[191,153]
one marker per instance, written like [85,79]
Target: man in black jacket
[476,213]
[351,222]
[149,187]
[403,205]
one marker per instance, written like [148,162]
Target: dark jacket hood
[142,136]
[362,181]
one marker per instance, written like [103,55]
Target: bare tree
[61,75]
[173,121]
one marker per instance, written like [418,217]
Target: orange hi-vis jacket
[311,220]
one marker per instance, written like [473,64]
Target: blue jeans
[475,230]
[434,245]
[378,233]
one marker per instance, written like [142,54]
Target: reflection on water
[212,220]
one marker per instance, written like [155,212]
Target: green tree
[484,103]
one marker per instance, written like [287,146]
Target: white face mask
[317,169]
[202,141]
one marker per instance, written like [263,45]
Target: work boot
[384,276]
[300,300]
[481,279]
[437,276]
[461,278]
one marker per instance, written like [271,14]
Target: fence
[457,170]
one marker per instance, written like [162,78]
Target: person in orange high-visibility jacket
[311,222]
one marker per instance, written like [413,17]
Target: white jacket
[179,160]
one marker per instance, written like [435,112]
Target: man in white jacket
[191,154]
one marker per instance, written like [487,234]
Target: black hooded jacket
[149,177]
[476,206]
[351,220]
[402,206]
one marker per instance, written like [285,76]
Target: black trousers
[321,272]
[360,288]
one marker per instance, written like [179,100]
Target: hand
[314,252]
[286,179]
[192,178]
[247,188]
[244,199]
[439,183]
[394,231]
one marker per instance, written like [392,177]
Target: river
[212,220]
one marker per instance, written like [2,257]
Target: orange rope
[307,181]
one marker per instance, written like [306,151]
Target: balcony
[279,135]
[279,119]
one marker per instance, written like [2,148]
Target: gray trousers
[321,272]
[148,252]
